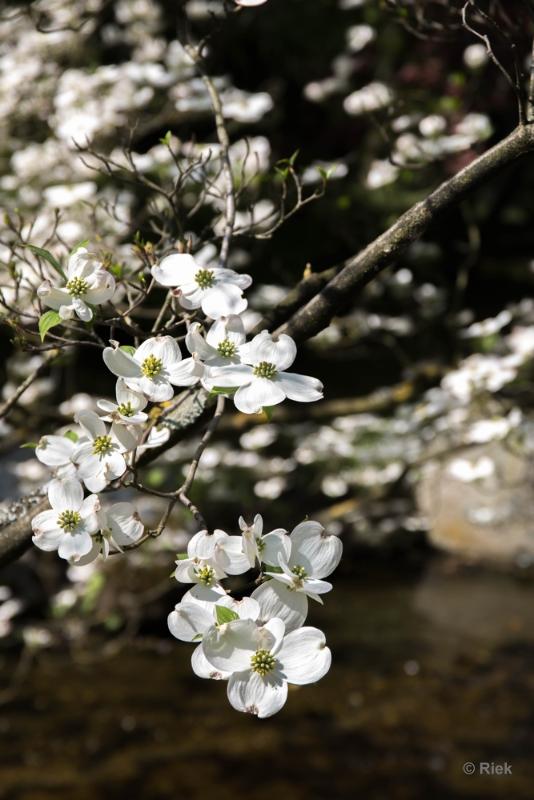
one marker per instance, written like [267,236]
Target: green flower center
[226,348]
[300,572]
[262,662]
[68,520]
[102,445]
[265,370]
[205,278]
[77,286]
[126,410]
[205,575]
[151,366]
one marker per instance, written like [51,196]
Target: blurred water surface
[432,669]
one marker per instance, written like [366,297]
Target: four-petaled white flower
[221,344]
[263,660]
[128,410]
[57,453]
[261,376]
[263,549]
[68,526]
[88,284]
[210,558]
[153,367]
[314,555]
[219,292]
[100,458]
[118,526]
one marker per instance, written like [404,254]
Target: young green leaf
[127,349]
[72,435]
[47,256]
[83,243]
[48,320]
[29,445]
[225,615]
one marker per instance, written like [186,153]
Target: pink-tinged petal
[260,393]
[121,363]
[304,656]
[230,647]
[222,300]
[318,552]
[189,621]
[175,270]
[65,495]
[302,388]
[203,669]
[277,600]
[75,545]
[82,309]
[91,423]
[252,694]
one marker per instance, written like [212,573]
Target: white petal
[203,669]
[304,656]
[229,377]
[229,554]
[313,587]
[206,596]
[121,363]
[249,692]
[230,647]
[75,545]
[186,373]
[163,347]
[157,389]
[246,608]
[82,309]
[126,527]
[48,540]
[275,544]
[65,495]
[127,438]
[54,451]
[91,423]
[302,388]
[260,393]
[196,344]
[175,270]
[222,300]
[189,621]
[276,600]
[126,395]
[46,522]
[202,544]
[318,552]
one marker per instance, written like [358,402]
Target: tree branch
[361,269]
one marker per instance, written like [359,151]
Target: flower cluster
[258,644]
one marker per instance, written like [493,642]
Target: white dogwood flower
[56,452]
[264,549]
[314,555]
[219,292]
[263,660]
[221,344]
[88,284]
[68,526]
[210,558]
[153,367]
[100,458]
[119,526]
[128,410]
[261,376]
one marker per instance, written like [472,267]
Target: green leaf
[225,615]
[72,435]
[29,445]
[224,390]
[272,568]
[47,256]
[83,243]
[181,556]
[127,348]
[48,320]
[166,139]
[268,411]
